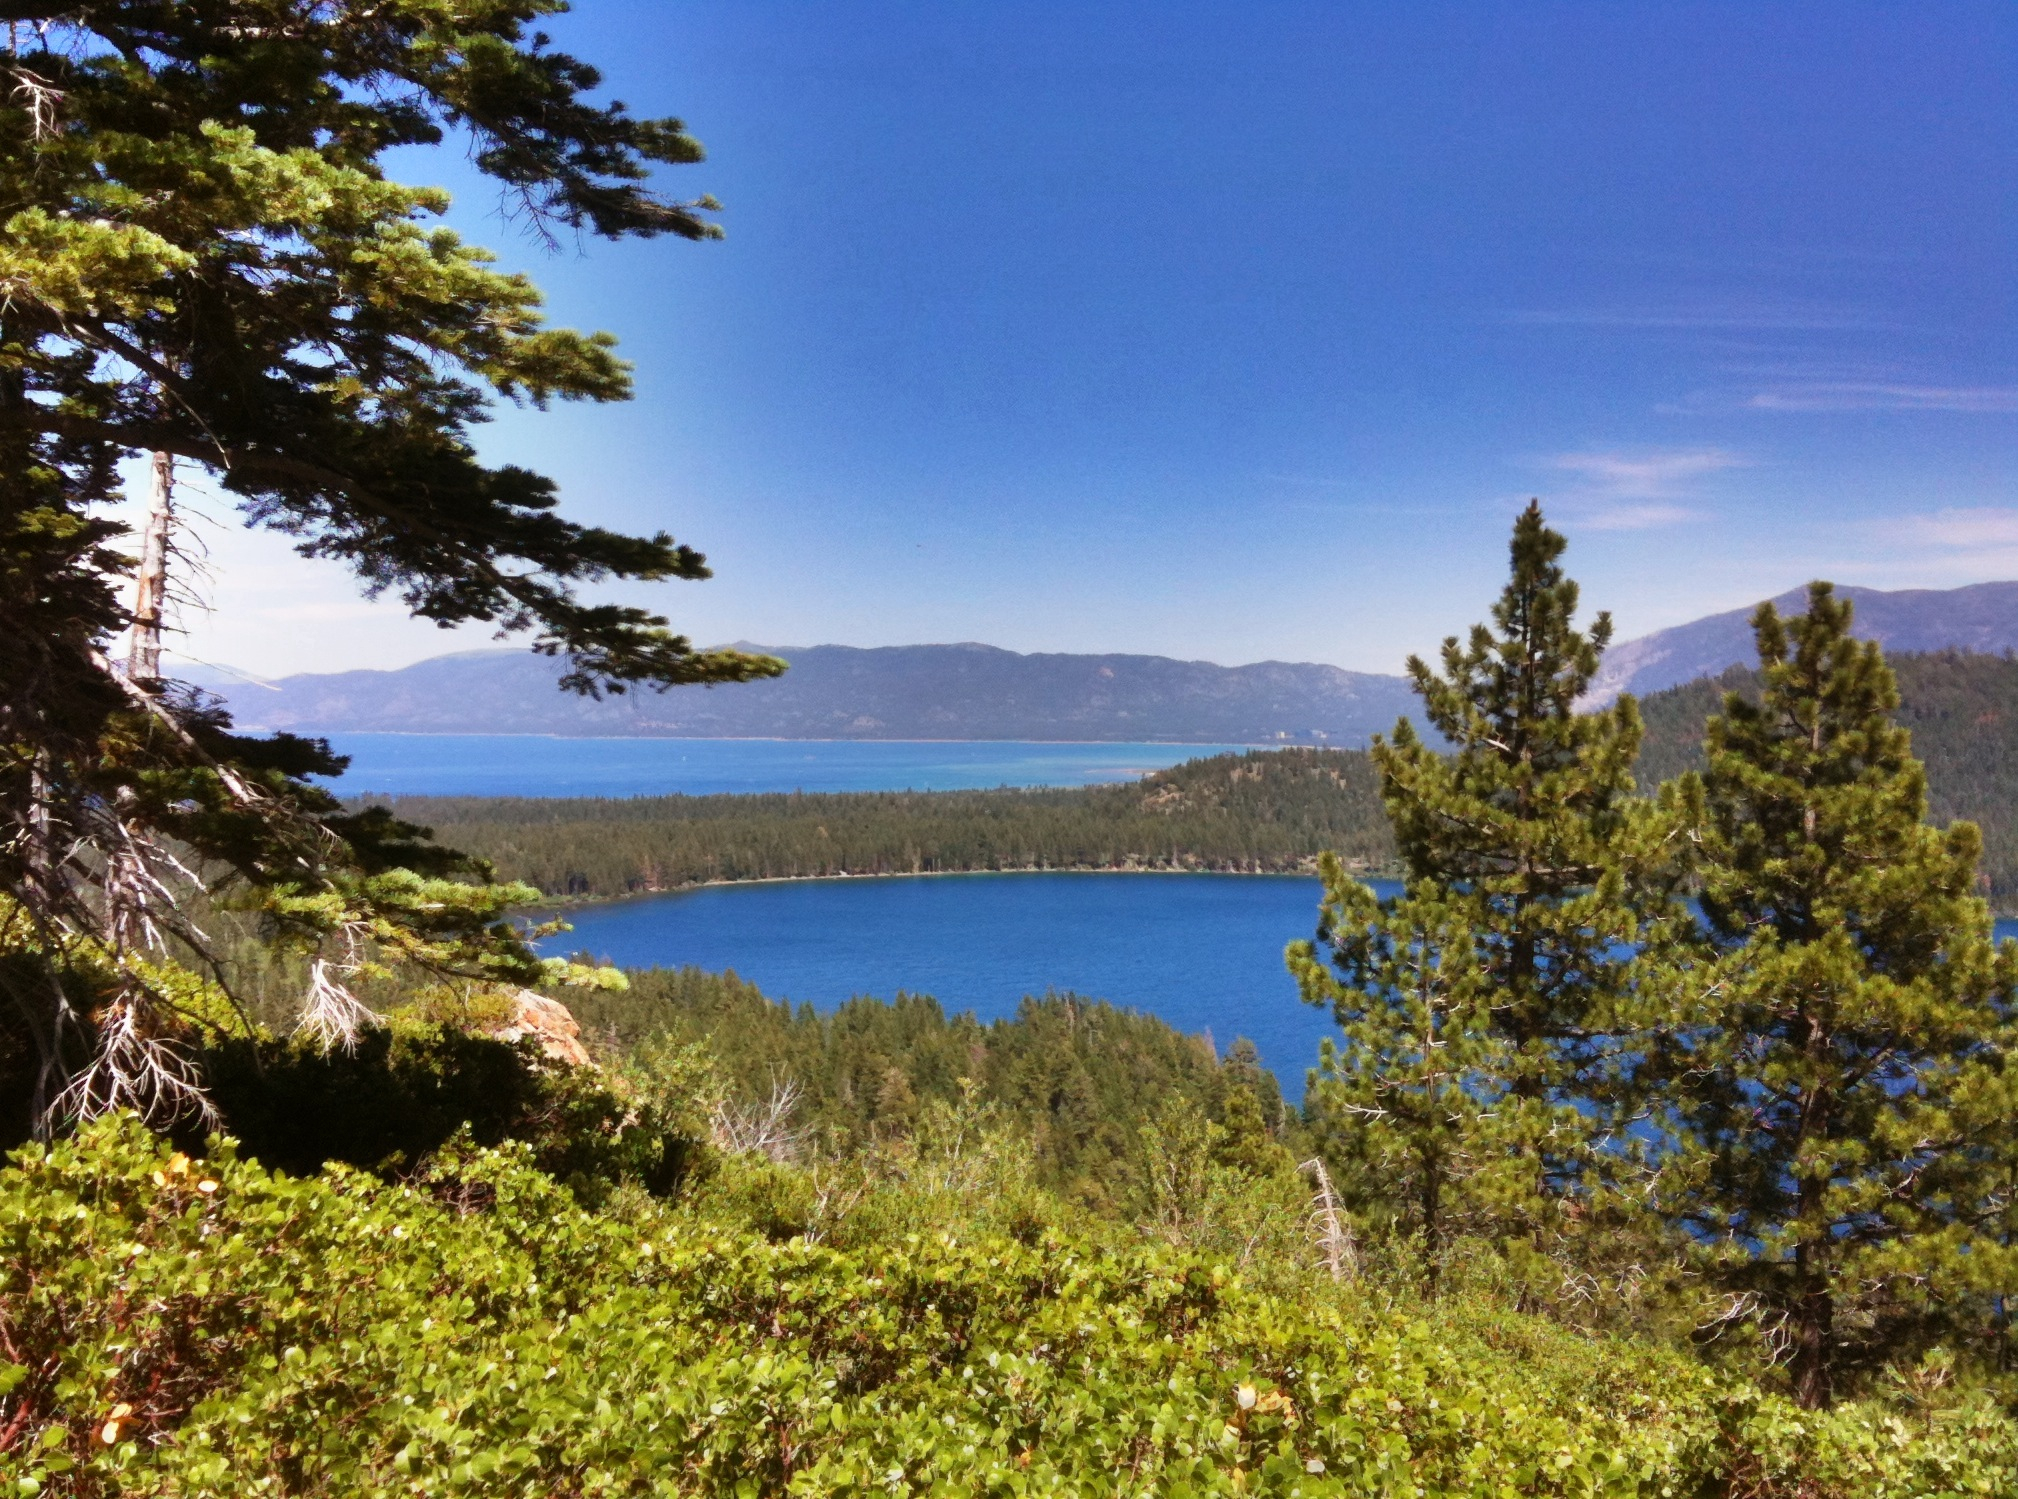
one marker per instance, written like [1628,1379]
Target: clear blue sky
[1239,331]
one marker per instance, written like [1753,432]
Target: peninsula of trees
[1270,811]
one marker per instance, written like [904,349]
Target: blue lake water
[1203,951]
[535,765]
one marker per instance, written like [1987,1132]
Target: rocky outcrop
[551,1024]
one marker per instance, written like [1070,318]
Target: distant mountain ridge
[1982,619]
[843,692]
[970,691]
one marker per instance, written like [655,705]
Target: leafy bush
[200,1326]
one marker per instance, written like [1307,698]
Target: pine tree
[1829,1076]
[1478,1005]
[202,257]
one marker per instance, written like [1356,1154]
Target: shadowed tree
[201,256]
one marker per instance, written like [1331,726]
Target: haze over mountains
[981,692]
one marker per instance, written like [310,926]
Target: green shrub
[191,1327]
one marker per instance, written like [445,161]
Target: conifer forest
[1665,1142]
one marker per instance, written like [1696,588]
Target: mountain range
[981,692]
[841,692]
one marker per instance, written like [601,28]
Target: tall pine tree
[1829,1077]
[1491,984]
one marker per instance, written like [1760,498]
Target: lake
[1203,951]
[536,765]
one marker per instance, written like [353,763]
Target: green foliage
[201,256]
[398,1096]
[1273,811]
[179,1326]
[1413,1097]
[197,199]
[1073,1079]
[1827,1059]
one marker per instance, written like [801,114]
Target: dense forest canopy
[1962,711]
[1268,811]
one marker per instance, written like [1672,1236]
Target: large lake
[535,765]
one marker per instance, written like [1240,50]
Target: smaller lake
[536,765]
[1203,951]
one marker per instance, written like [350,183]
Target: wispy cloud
[1982,526]
[1712,318]
[1873,395]
[1645,475]
[1637,489]
[1654,475]
[1960,544]
[1644,517]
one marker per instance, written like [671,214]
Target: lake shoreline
[558,904]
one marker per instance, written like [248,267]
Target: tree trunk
[1813,1312]
[143,662]
[1432,1225]
[1814,1387]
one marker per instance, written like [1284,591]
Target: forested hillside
[1962,710]
[1268,811]
[1981,618]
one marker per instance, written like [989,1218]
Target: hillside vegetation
[1962,710]
[1067,1252]
[1264,812]
[1077,1078]
[1270,811]
[206,1327]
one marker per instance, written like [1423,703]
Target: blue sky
[1240,331]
